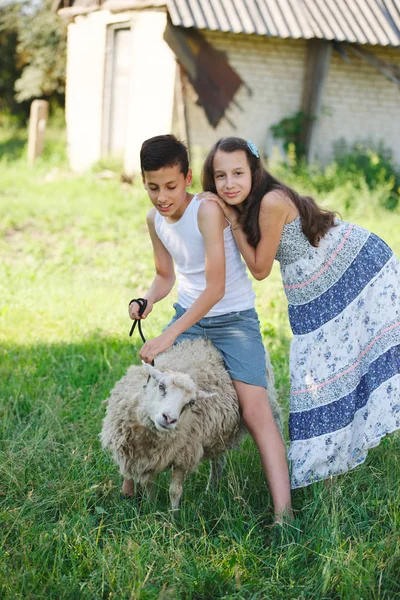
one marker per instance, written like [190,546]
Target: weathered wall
[151,84]
[85,86]
[273,69]
[358,101]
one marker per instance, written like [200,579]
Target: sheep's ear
[153,372]
[203,395]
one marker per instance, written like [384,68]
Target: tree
[33,53]
[10,69]
[42,47]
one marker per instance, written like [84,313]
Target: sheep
[175,416]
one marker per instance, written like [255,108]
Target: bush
[373,165]
[357,171]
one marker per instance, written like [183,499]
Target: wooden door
[116,90]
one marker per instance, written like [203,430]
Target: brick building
[205,69]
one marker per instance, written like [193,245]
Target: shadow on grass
[65,366]
[12,149]
[54,470]
[66,533]
[52,400]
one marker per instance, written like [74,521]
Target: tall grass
[73,251]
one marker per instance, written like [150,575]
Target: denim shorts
[237,337]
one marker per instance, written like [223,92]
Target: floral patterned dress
[344,311]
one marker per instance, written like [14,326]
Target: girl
[342,285]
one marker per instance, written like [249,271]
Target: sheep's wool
[203,431]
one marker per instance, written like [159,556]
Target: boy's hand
[134,308]
[157,345]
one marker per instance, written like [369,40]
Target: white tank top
[184,242]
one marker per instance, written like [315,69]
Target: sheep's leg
[216,468]
[150,488]
[128,487]
[176,487]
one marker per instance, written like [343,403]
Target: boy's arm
[165,275]
[211,224]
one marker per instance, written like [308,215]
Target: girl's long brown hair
[315,221]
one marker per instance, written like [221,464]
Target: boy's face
[167,191]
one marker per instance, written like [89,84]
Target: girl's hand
[155,346]
[231,214]
[134,308]
[208,196]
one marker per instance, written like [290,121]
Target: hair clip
[253,148]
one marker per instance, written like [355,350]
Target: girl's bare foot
[128,487]
[285,517]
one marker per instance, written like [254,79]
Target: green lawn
[73,251]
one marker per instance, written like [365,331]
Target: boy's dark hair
[163,151]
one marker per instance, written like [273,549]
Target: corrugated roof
[375,22]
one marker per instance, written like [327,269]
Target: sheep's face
[168,394]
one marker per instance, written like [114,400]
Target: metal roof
[375,22]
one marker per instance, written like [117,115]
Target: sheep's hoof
[128,487]
[137,498]
[123,496]
[174,513]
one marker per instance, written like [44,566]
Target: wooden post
[37,125]
[319,54]
[181,105]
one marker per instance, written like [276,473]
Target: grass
[73,251]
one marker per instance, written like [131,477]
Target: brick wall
[274,71]
[358,102]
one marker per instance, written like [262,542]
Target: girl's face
[232,176]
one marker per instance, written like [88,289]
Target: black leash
[142,302]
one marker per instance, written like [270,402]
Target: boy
[215,297]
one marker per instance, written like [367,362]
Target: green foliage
[109,163]
[33,55]
[362,166]
[290,130]
[42,44]
[361,177]
[374,165]
[13,142]
[9,72]
[10,67]
[73,251]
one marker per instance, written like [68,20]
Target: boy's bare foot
[128,487]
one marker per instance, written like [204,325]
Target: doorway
[116,89]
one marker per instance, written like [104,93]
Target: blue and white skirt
[344,357]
